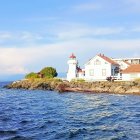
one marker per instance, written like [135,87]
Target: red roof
[132,69]
[108,59]
[72,56]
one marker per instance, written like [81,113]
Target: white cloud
[13,70]
[87,7]
[134,2]
[5,36]
[132,6]
[135,29]
[64,32]
[21,60]
[78,32]
[11,61]
[109,7]
[19,36]
[27,36]
[15,60]
[41,19]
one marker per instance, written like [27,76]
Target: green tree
[31,75]
[49,72]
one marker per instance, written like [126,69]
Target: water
[47,115]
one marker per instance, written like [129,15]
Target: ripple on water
[19,138]
[7,132]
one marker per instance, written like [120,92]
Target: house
[129,60]
[131,73]
[80,73]
[123,64]
[100,67]
[40,75]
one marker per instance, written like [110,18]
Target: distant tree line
[47,72]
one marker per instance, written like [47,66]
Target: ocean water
[48,115]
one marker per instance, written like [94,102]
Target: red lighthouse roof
[72,56]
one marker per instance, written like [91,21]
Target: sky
[39,33]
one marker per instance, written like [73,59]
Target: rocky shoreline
[131,87]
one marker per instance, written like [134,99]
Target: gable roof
[109,60]
[132,69]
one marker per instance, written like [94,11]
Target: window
[116,70]
[97,62]
[103,72]
[91,72]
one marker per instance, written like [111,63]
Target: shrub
[49,72]
[81,80]
[78,80]
[31,75]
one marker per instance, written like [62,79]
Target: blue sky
[39,33]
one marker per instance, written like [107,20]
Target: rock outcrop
[119,87]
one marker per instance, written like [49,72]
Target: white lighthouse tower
[72,70]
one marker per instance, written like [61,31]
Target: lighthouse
[72,67]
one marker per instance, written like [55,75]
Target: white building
[129,60]
[131,73]
[123,64]
[100,67]
[72,70]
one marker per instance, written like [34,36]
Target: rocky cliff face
[90,87]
